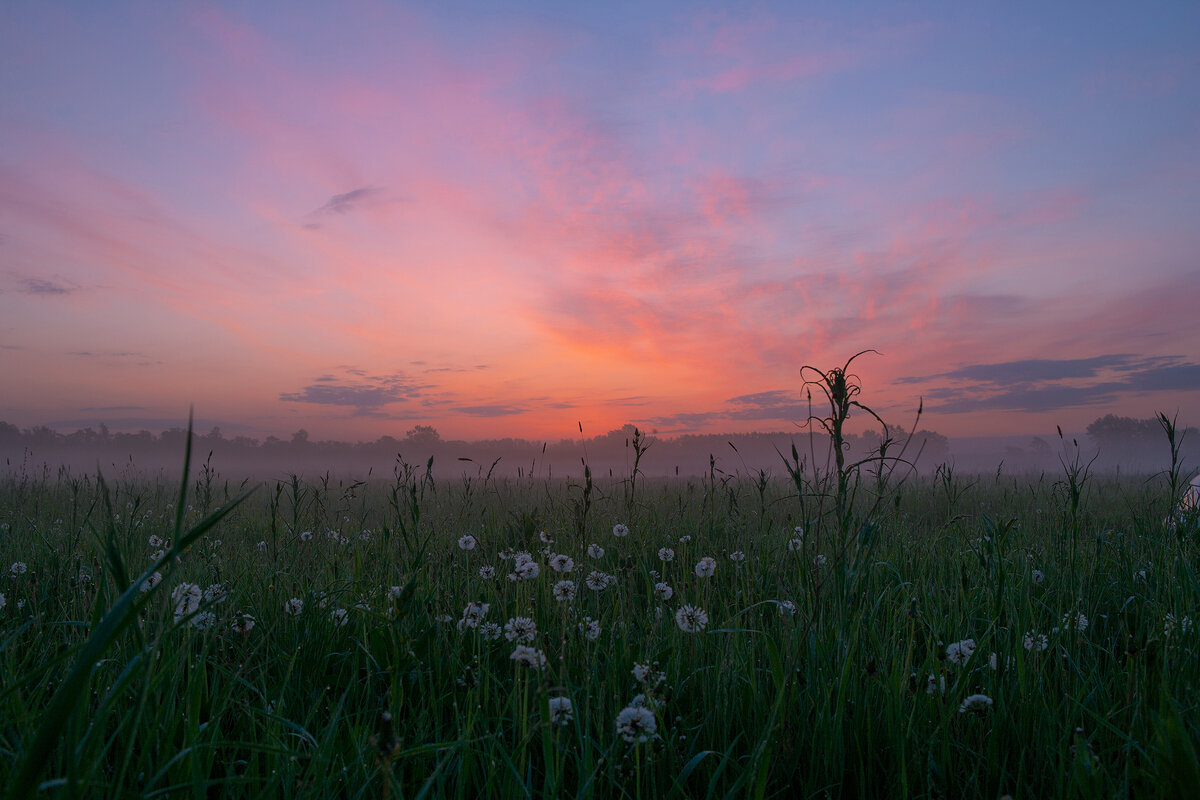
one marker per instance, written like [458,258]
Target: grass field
[727,636]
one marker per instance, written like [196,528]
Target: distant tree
[933,447]
[1117,431]
[300,438]
[214,435]
[423,436]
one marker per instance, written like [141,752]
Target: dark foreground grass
[843,661]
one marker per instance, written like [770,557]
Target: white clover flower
[187,597]
[561,711]
[157,554]
[306,536]
[490,631]
[340,616]
[1170,625]
[528,656]
[1037,577]
[648,674]
[620,530]
[154,541]
[595,551]
[466,542]
[545,537]
[473,614]
[596,580]
[18,568]
[935,685]
[564,591]
[1079,621]
[262,546]
[295,606]
[691,619]
[590,628]
[561,563]
[215,593]
[1035,642]
[242,623]
[795,544]
[524,567]
[787,608]
[664,591]
[975,704]
[636,724]
[820,560]
[394,592]
[666,554]
[960,652]
[153,580]
[487,572]
[520,629]
[203,621]
[737,555]
[705,567]
[687,537]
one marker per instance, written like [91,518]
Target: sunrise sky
[506,218]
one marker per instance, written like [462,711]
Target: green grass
[105,694]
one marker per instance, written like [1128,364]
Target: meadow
[832,630]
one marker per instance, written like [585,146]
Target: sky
[526,218]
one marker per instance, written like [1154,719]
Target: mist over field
[1117,445]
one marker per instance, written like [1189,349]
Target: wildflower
[487,572]
[1079,622]
[520,629]
[18,568]
[215,593]
[524,567]
[737,555]
[787,608]
[473,614]
[935,685]
[561,563]
[691,619]
[545,537]
[560,710]
[187,597]
[564,591]
[620,530]
[648,674]
[1036,642]
[466,542]
[975,704]
[636,724]
[295,606]
[506,554]
[595,551]
[489,631]
[705,567]
[154,541]
[685,538]
[203,621]
[154,580]
[528,656]
[596,580]
[590,628]
[394,592]
[262,546]
[798,533]
[1171,624]
[306,536]
[819,560]
[242,623]
[339,616]
[664,591]
[960,652]
[157,554]
[1037,577]
[666,554]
